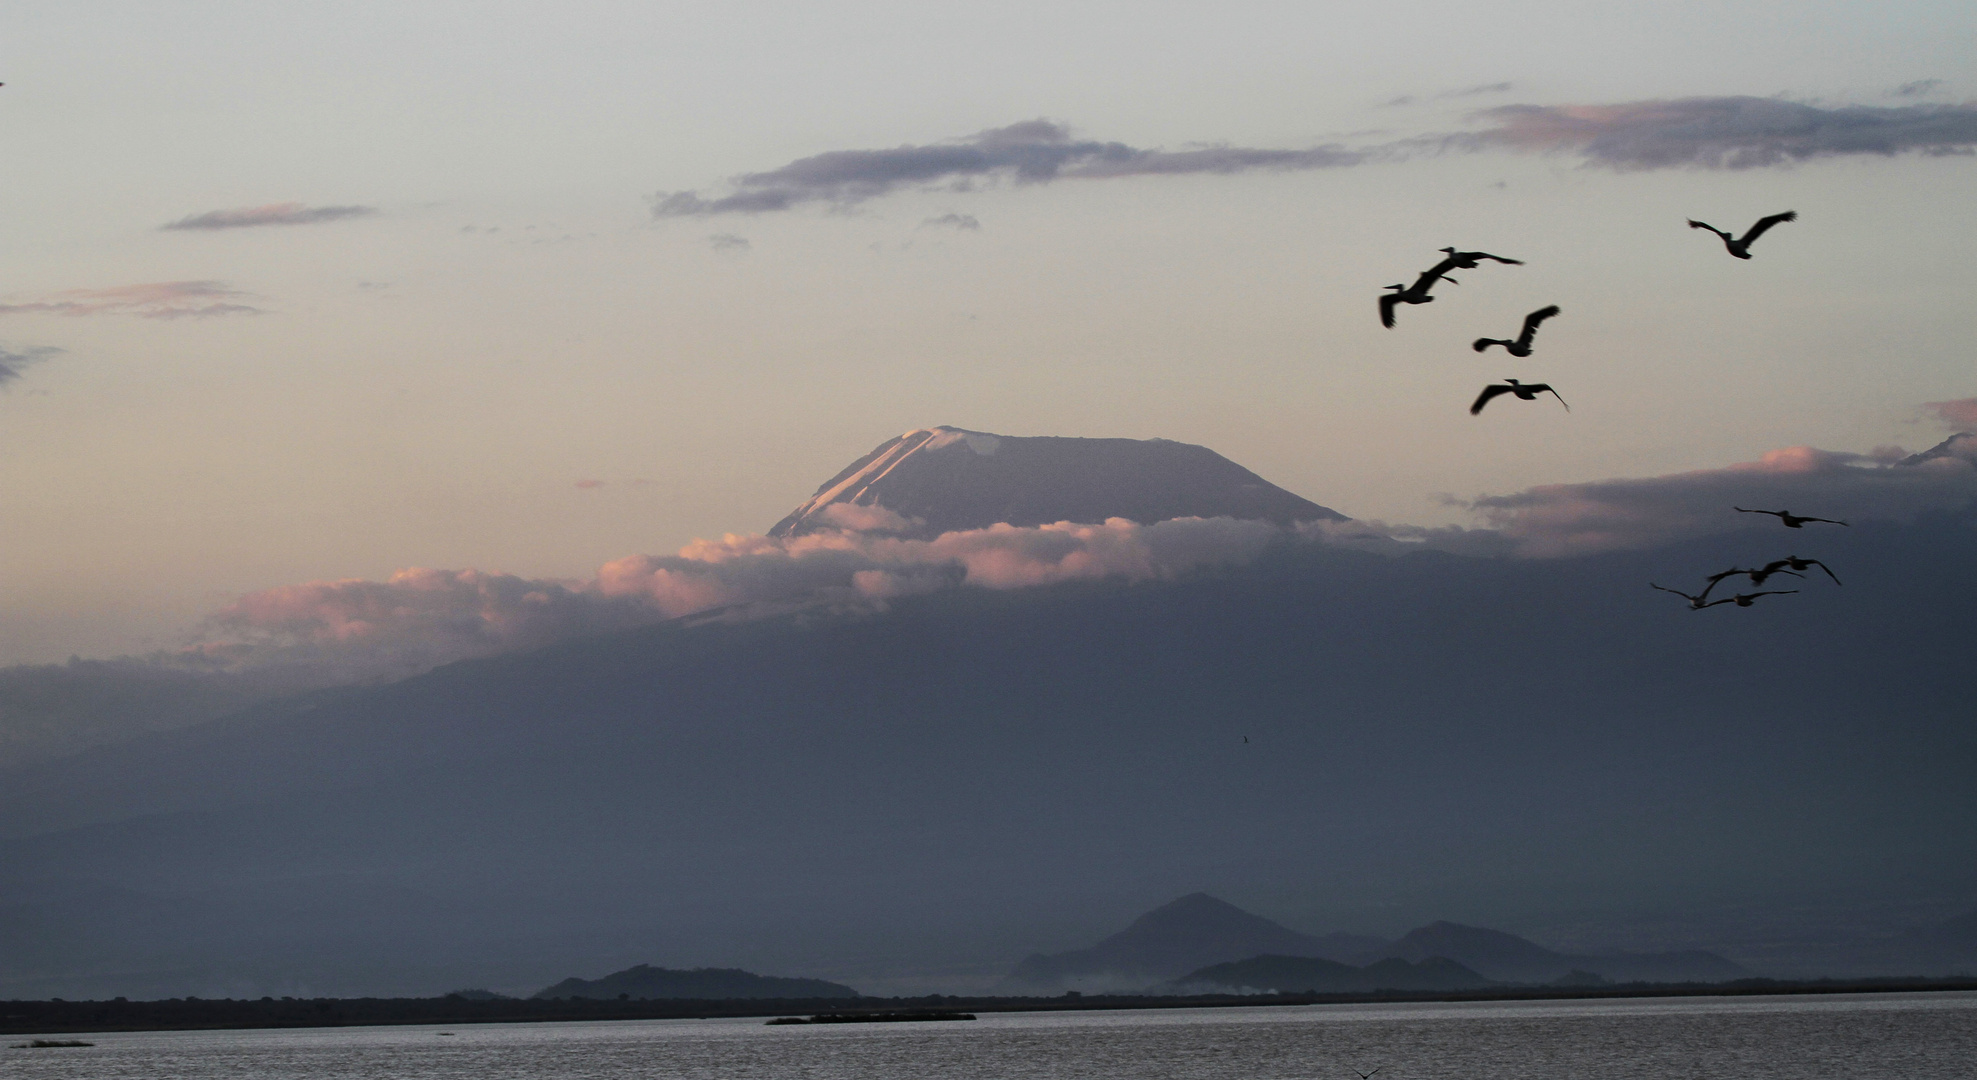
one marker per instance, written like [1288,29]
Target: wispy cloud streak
[1724,132]
[288,213]
[1031,152]
[156,300]
[12,362]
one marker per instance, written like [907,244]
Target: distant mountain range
[648,983]
[945,479]
[1199,939]
[1172,940]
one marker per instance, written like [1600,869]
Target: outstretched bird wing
[1437,272]
[1694,224]
[1532,320]
[1716,579]
[1758,229]
[1387,303]
[1823,566]
[1829,521]
[1545,388]
[1498,258]
[1483,399]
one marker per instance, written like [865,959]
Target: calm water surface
[1911,1037]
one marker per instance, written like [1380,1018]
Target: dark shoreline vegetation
[183,1014]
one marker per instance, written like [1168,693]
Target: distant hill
[1509,958]
[1302,974]
[1174,939]
[648,983]
[947,479]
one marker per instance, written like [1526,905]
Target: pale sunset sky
[303,292]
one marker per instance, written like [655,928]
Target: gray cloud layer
[1724,132]
[11,362]
[290,213]
[1702,132]
[1034,151]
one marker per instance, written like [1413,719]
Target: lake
[1856,1037]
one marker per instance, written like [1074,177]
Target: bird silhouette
[1757,577]
[1740,245]
[1521,346]
[1696,603]
[1416,293]
[1791,520]
[1368,1075]
[1796,563]
[1524,392]
[1469,260]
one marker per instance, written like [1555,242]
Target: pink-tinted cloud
[156,300]
[419,617]
[288,213]
[1960,415]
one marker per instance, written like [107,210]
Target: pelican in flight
[1796,563]
[1469,260]
[1416,293]
[1696,603]
[1740,245]
[1524,392]
[1791,520]
[1521,346]
[1757,577]
[1368,1075]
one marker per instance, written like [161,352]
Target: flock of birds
[1523,344]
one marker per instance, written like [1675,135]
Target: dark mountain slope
[930,790]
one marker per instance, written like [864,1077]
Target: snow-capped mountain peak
[942,479]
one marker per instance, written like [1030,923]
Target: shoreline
[57,1017]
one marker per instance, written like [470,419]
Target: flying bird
[1740,245]
[1469,260]
[1521,346]
[1416,293]
[1696,603]
[1368,1075]
[1746,599]
[1791,520]
[1512,386]
[1797,563]
[1757,577]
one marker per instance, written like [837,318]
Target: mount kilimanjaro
[945,479]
